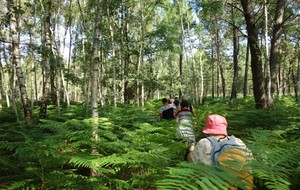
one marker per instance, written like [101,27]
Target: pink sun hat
[215,125]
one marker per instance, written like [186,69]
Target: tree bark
[47,53]
[275,47]
[267,65]
[180,75]
[122,53]
[296,79]
[256,60]
[212,73]
[66,85]
[220,66]
[112,39]
[95,84]
[9,86]
[201,78]
[182,49]
[12,90]
[15,52]
[140,57]
[33,82]
[235,59]
[245,89]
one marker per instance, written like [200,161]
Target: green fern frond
[197,176]
[276,170]
[81,161]
[17,185]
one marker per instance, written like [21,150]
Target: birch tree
[15,55]
[95,83]
[47,53]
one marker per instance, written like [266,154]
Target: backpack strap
[217,146]
[214,143]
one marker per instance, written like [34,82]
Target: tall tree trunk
[193,75]
[47,54]
[34,88]
[212,72]
[245,89]
[15,52]
[275,46]
[182,49]
[59,64]
[95,86]
[127,54]
[201,78]
[66,85]
[220,66]
[143,94]
[256,60]
[12,90]
[9,86]
[140,56]
[267,65]
[63,86]
[235,59]
[296,79]
[112,39]
[101,74]
[180,75]
[33,82]
[121,53]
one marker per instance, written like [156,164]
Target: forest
[81,84]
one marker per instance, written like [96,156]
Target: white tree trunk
[15,53]
[95,86]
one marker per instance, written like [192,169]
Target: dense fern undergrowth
[138,151]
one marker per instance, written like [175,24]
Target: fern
[17,185]
[195,176]
[138,151]
[276,159]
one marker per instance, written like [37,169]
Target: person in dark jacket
[167,111]
[176,102]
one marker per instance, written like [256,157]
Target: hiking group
[218,148]
[183,112]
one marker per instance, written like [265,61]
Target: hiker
[176,102]
[171,101]
[185,123]
[205,152]
[167,111]
[184,98]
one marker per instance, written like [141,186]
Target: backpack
[168,114]
[229,154]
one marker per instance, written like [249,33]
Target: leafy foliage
[138,151]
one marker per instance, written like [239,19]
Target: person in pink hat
[205,150]
[216,127]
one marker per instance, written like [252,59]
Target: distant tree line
[118,52]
